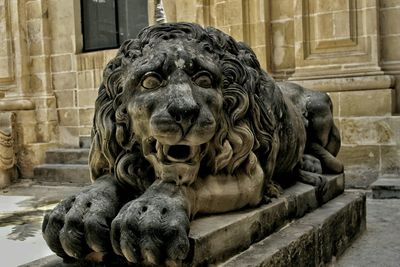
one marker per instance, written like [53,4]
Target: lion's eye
[203,80]
[151,81]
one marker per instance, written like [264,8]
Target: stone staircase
[65,165]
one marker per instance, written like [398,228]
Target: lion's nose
[184,115]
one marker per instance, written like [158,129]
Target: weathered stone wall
[75,75]
[348,48]
[25,82]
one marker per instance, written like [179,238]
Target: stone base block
[216,238]
[312,240]
[386,188]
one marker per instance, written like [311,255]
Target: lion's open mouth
[169,154]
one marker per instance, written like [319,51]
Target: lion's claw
[80,224]
[151,230]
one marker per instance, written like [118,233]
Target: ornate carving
[187,122]
[7,153]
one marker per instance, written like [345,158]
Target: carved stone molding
[7,151]
[14,105]
[336,37]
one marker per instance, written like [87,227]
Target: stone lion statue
[186,122]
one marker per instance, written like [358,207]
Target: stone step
[85,141]
[385,187]
[312,240]
[218,237]
[62,173]
[67,156]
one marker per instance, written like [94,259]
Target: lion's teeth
[159,149]
[146,147]
[166,149]
[194,150]
[203,149]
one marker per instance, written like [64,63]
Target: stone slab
[367,103]
[68,156]
[384,188]
[218,237]
[348,83]
[312,240]
[62,173]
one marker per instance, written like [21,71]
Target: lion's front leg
[153,229]
[81,223]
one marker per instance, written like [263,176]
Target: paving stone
[380,244]
[22,206]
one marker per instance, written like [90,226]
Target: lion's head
[180,102]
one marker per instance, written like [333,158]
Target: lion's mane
[245,129]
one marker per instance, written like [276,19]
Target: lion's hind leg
[326,155]
[309,172]
[323,137]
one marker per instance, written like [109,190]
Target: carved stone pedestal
[293,230]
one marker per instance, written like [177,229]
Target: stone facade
[348,48]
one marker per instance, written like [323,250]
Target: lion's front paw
[151,230]
[80,224]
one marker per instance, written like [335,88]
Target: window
[107,23]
